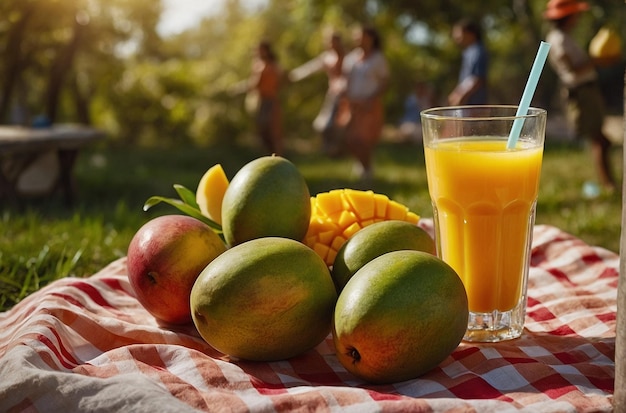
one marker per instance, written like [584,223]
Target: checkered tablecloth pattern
[88,345]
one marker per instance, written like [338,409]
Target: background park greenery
[166,108]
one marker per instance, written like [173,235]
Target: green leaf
[186,196]
[184,208]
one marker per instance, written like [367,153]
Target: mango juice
[484,199]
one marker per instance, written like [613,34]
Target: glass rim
[437,113]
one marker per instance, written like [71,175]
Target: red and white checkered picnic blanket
[88,345]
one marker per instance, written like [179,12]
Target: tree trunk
[620,339]
[59,70]
[14,61]
[81,102]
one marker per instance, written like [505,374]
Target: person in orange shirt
[266,80]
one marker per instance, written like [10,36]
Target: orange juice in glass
[484,196]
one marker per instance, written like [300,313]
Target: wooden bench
[21,146]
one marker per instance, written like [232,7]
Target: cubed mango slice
[338,214]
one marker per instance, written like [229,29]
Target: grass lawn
[45,241]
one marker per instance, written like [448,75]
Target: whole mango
[375,240]
[268,197]
[165,256]
[266,299]
[399,316]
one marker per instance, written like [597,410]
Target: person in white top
[362,112]
[329,61]
[577,74]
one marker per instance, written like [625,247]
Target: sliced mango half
[210,192]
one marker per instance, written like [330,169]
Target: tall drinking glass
[484,198]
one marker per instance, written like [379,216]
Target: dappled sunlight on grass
[562,202]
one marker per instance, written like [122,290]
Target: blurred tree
[103,61]
[46,42]
[13,32]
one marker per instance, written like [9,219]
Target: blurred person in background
[329,61]
[361,109]
[471,88]
[585,108]
[420,98]
[265,83]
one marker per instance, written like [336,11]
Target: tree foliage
[104,62]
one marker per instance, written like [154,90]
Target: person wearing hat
[577,73]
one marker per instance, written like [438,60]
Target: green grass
[44,240]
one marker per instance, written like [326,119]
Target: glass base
[496,326]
